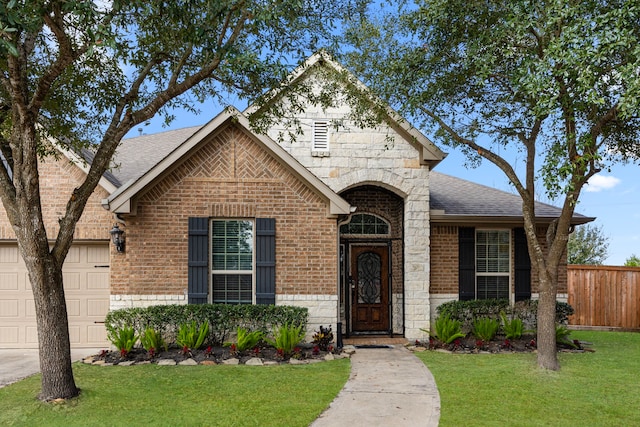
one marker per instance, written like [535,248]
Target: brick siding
[58,178]
[229,176]
[444,261]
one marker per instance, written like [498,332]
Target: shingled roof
[457,200]
[452,199]
[135,156]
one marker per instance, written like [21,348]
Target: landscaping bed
[471,344]
[259,355]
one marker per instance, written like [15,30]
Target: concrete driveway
[21,363]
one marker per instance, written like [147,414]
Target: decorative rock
[188,362]
[105,364]
[232,361]
[254,361]
[144,362]
[208,362]
[166,362]
[419,349]
[127,363]
[293,361]
[270,363]
[349,349]
[329,356]
[342,356]
[88,360]
[442,350]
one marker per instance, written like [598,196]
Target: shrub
[513,329]
[323,338]
[123,339]
[152,341]
[286,338]
[222,318]
[246,340]
[447,329]
[467,311]
[485,328]
[192,336]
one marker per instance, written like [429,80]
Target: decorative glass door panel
[370,288]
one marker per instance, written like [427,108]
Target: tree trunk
[53,329]
[547,349]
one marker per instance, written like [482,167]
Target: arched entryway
[371,262]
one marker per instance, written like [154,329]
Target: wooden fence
[604,296]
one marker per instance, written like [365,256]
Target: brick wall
[444,265]
[444,259]
[230,176]
[58,178]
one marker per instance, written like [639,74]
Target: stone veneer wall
[377,157]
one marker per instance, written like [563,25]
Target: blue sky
[613,197]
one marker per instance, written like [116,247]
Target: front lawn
[154,395]
[591,389]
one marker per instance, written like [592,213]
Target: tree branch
[482,151]
[67,55]
[119,126]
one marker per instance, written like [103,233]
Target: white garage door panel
[86,283]
[9,334]
[9,308]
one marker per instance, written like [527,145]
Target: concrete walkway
[387,386]
[22,363]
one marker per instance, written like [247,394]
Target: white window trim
[230,272]
[511,295]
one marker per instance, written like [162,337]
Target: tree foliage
[587,245]
[632,261]
[82,74]
[555,82]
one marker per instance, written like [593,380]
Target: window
[232,261]
[320,140]
[365,224]
[492,263]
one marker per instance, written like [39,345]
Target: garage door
[86,284]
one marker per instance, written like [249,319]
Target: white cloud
[601,182]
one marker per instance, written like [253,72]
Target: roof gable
[121,201]
[429,153]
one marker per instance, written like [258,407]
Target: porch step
[375,340]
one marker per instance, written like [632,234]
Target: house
[350,222]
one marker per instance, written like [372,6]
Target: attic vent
[320,141]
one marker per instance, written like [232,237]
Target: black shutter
[265,261]
[466,263]
[198,261]
[522,265]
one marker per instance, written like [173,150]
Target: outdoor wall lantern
[117,237]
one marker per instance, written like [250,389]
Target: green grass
[590,389]
[151,395]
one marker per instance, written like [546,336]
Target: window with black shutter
[231,260]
